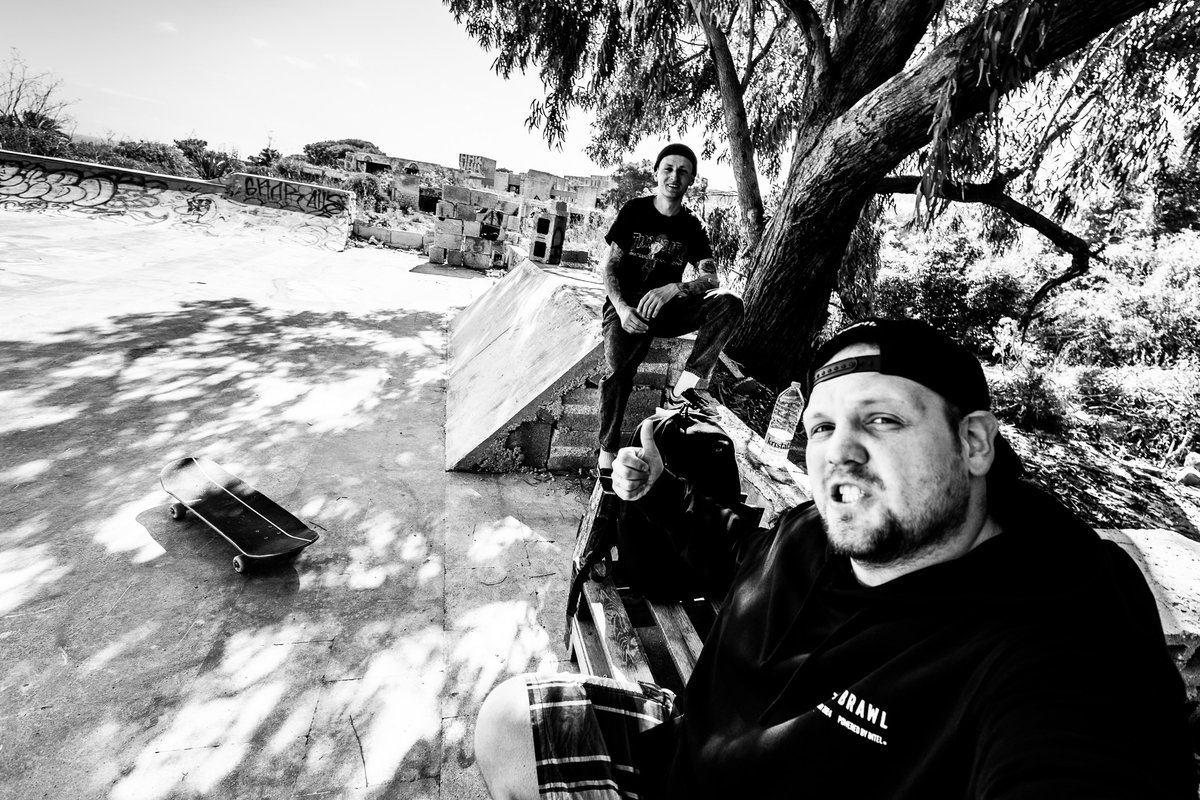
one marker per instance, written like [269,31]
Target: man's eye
[820,427]
[880,420]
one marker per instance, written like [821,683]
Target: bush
[1126,319]
[947,289]
[158,157]
[36,141]
[366,188]
[1028,400]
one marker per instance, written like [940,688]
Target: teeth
[849,494]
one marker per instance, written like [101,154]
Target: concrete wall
[268,208]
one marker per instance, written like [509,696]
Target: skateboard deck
[260,529]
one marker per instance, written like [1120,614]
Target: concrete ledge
[267,208]
[1171,564]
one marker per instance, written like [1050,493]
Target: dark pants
[714,320]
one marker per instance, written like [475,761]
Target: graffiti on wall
[258,190]
[134,198]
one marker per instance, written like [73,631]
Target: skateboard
[260,529]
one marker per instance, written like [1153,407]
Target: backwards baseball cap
[677,149]
[915,350]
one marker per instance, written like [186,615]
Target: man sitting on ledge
[650,242]
[930,626]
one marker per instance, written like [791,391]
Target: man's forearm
[707,279]
[612,285]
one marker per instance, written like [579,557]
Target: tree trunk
[835,166]
[741,149]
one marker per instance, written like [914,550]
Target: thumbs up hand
[637,468]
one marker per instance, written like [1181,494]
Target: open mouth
[846,493]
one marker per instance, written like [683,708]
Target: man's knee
[729,305]
[504,742]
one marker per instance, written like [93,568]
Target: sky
[240,73]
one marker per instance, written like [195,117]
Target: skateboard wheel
[239,564]
[178,511]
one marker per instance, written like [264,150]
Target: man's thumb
[649,446]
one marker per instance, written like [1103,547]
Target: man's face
[888,472]
[674,175]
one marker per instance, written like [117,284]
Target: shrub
[948,290]
[36,141]
[158,157]
[1126,319]
[1027,399]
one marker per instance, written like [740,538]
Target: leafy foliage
[330,153]
[633,180]
[947,286]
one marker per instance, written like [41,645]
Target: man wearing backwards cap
[930,626]
[651,241]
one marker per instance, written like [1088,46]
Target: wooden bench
[617,634]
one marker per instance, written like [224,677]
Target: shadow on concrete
[449,272]
[136,662]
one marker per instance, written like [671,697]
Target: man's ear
[978,430]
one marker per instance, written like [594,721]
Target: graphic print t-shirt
[656,247]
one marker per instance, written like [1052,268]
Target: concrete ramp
[269,209]
[516,351]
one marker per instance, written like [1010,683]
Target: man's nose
[844,446]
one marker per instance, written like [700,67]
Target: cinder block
[477,260]
[581,422]
[445,209]
[560,208]
[471,228]
[477,245]
[454,258]
[575,256]
[482,199]
[448,241]
[583,396]
[566,438]
[509,206]
[454,226]
[653,375]
[437,255]
[578,458]
[407,239]
[456,194]
[512,223]
[464,212]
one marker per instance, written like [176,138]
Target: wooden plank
[683,643]
[592,526]
[586,647]
[622,650]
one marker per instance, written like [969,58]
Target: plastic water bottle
[784,420]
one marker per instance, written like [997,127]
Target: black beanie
[677,149]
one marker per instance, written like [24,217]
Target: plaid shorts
[583,730]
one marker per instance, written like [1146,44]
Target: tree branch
[753,63]
[993,194]
[814,34]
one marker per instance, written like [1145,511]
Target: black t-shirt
[656,247]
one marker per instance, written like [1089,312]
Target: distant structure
[479,172]
[589,188]
[480,165]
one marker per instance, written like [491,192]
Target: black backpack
[695,447]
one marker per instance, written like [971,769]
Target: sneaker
[689,399]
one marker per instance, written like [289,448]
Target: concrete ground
[134,662]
